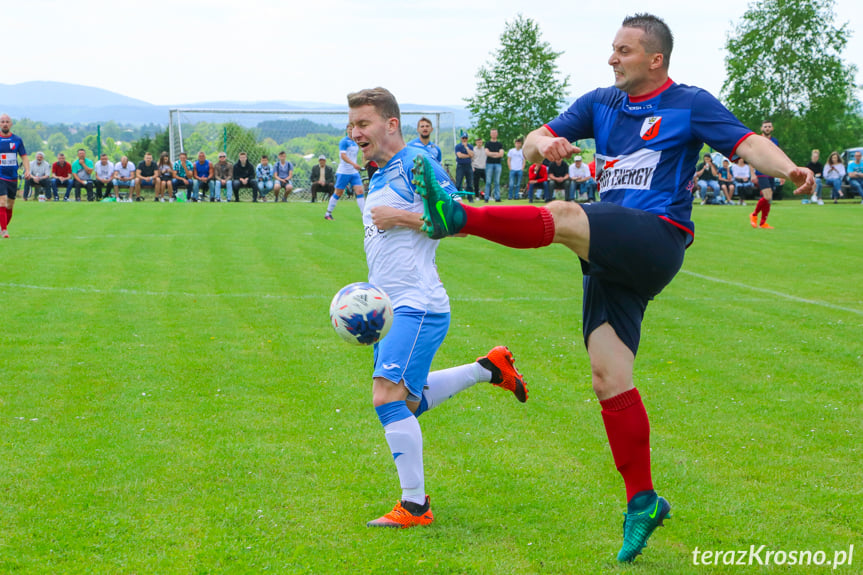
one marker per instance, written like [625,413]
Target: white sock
[445,383]
[406,444]
[332,205]
[361,202]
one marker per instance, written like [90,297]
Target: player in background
[648,131]
[11,148]
[765,185]
[347,174]
[401,261]
[424,129]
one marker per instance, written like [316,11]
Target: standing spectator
[323,179]
[463,170]
[62,172]
[264,177]
[708,177]
[493,154]
[726,182]
[11,148]
[855,174]
[244,176]
[834,172]
[424,129]
[537,177]
[165,180]
[515,164]
[744,177]
[40,178]
[203,177]
[478,164]
[558,179]
[347,174]
[283,172]
[223,176]
[580,181]
[104,179]
[182,175]
[82,170]
[146,176]
[124,177]
[818,169]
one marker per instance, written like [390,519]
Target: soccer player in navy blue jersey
[648,132]
[11,148]
[765,185]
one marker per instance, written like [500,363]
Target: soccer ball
[361,313]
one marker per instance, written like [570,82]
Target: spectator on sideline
[62,172]
[580,181]
[82,170]
[855,175]
[707,177]
[104,177]
[165,179]
[463,170]
[203,176]
[424,129]
[537,177]
[124,177]
[558,179]
[515,163]
[493,154]
[283,172]
[744,177]
[264,177]
[323,179]
[726,182]
[818,169]
[244,176]
[182,175]
[145,176]
[478,164]
[40,178]
[834,171]
[223,177]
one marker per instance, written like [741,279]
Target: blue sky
[425,52]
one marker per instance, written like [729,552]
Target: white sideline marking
[773,292]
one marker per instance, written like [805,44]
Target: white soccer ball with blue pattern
[361,313]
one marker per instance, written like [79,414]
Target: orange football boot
[499,362]
[405,514]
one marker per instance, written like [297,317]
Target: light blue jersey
[431,148]
[351,150]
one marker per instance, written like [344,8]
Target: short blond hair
[381,99]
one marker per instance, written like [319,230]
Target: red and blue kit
[11,147]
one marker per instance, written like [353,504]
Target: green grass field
[173,399]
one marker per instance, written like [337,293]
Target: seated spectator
[726,182]
[164,179]
[62,172]
[264,177]
[82,170]
[558,176]
[323,179]
[145,176]
[40,178]
[743,177]
[104,180]
[708,177]
[223,177]
[244,176]
[834,171]
[855,175]
[818,170]
[182,176]
[537,177]
[203,176]
[283,172]
[581,182]
[124,177]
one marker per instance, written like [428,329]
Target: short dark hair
[519,140]
[424,119]
[657,35]
[82,150]
[283,153]
[264,157]
[381,99]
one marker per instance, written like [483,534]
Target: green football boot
[639,526]
[443,215]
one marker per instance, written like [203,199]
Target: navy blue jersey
[647,147]
[11,147]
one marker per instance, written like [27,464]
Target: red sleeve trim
[553,133]
[681,226]
[740,141]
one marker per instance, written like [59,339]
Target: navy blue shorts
[9,189]
[765,182]
[633,256]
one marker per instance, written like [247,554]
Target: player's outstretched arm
[541,143]
[766,157]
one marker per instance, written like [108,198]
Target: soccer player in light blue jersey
[424,129]
[401,261]
[347,174]
[11,148]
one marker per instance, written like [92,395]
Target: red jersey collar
[649,95]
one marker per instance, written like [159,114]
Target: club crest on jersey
[11,145]
[650,127]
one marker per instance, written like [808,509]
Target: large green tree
[785,63]
[520,88]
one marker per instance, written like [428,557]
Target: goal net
[304,135]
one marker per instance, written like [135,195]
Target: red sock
[4,220]
[759,206]
[514,226]
[628,431]
[8,215]
[765,211]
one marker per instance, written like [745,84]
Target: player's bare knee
[384,391]
[570,226]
